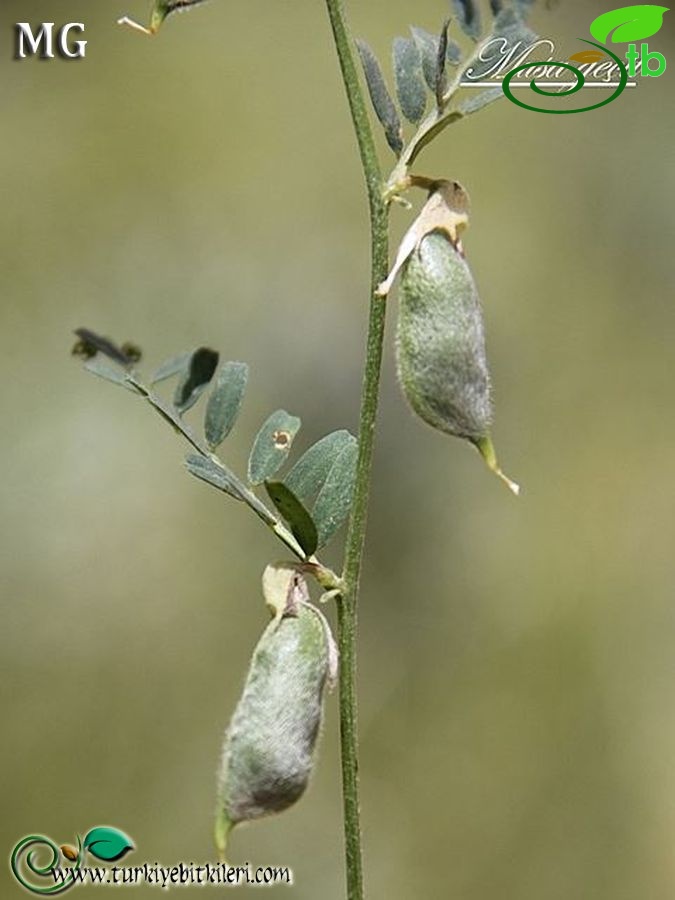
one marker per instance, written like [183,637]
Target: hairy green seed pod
[442,364]
[269,745]
[441,344]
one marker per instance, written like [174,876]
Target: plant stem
[347,607]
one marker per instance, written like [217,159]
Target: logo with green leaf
[39,857]
[630,23]
[618,26]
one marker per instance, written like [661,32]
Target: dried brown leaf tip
[446,211]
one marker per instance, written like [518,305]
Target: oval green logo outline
[623,80]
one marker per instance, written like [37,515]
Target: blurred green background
[517,658]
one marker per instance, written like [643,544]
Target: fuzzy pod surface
[269,745]
[442,364]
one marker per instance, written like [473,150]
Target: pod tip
[135,26]
[512,485]
[486,449]
[221,834]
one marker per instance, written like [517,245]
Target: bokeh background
[517,658]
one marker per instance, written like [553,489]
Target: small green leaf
[309,473]
[160,10]
[381,98]
[292,510]
[478,101]
[332,504]
[410,90]
[224,403]
[271,446]
[453,54]
[428,47]
[171,367]
[115,376]
[108,844]
[630,23]
[164,8]
[441,61]
[90,343]
[215,475]
[508,26]
[201,366]
[468,16]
